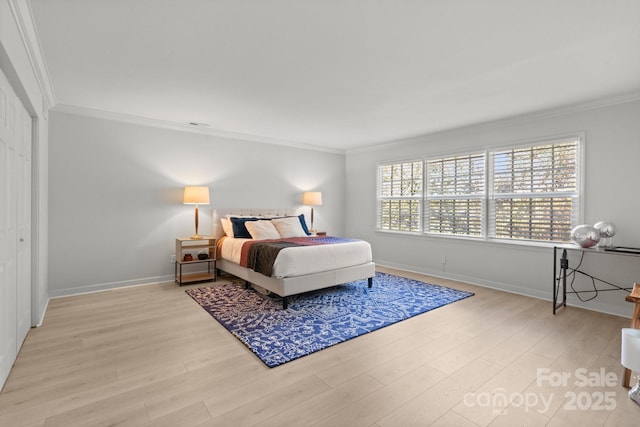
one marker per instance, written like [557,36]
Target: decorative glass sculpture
[585,236]
[607,230]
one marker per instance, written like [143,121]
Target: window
[400,196]
[535,191]
[524,193]
[456,195]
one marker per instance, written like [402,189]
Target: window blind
[521,193]
[399,204]
[455,196]
[535,192]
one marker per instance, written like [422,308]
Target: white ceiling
[337,73]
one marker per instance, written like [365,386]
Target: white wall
[612,177]
[116,195]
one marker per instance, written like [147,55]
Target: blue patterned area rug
[319,319]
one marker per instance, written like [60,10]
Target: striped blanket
[260,255]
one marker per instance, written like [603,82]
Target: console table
[561,278]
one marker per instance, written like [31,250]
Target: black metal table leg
[555,279]
[564,266]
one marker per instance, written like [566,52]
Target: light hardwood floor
[149,355]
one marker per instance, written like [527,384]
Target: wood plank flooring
[149,355]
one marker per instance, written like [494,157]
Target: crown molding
[23,16]
[624,98]
[186,127]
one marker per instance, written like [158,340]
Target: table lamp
[630,355]
[196,196]
[312,198]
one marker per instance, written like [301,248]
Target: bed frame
[287,286]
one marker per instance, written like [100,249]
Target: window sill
[479,240]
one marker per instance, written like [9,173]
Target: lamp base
[196,237]
[634,393]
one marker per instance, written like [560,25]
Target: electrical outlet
[173,258]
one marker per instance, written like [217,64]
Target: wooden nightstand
[186,245]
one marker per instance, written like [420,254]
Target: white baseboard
[43,311]
[99,287]
[507,287]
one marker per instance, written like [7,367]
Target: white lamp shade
[196,196]
[312,198]
[630,353]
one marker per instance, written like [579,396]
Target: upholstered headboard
[216,214]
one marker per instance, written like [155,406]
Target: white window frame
[488,222]
[577,196]
[417,198]
[431,194]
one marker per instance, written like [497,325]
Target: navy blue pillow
[303,223]
[239,229]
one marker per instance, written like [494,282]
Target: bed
[302,264]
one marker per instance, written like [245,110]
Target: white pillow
[262,230]
[289,227]
[227,227]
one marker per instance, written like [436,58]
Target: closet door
[15,201]
[23,222]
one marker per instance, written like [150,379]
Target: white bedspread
[301,260]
